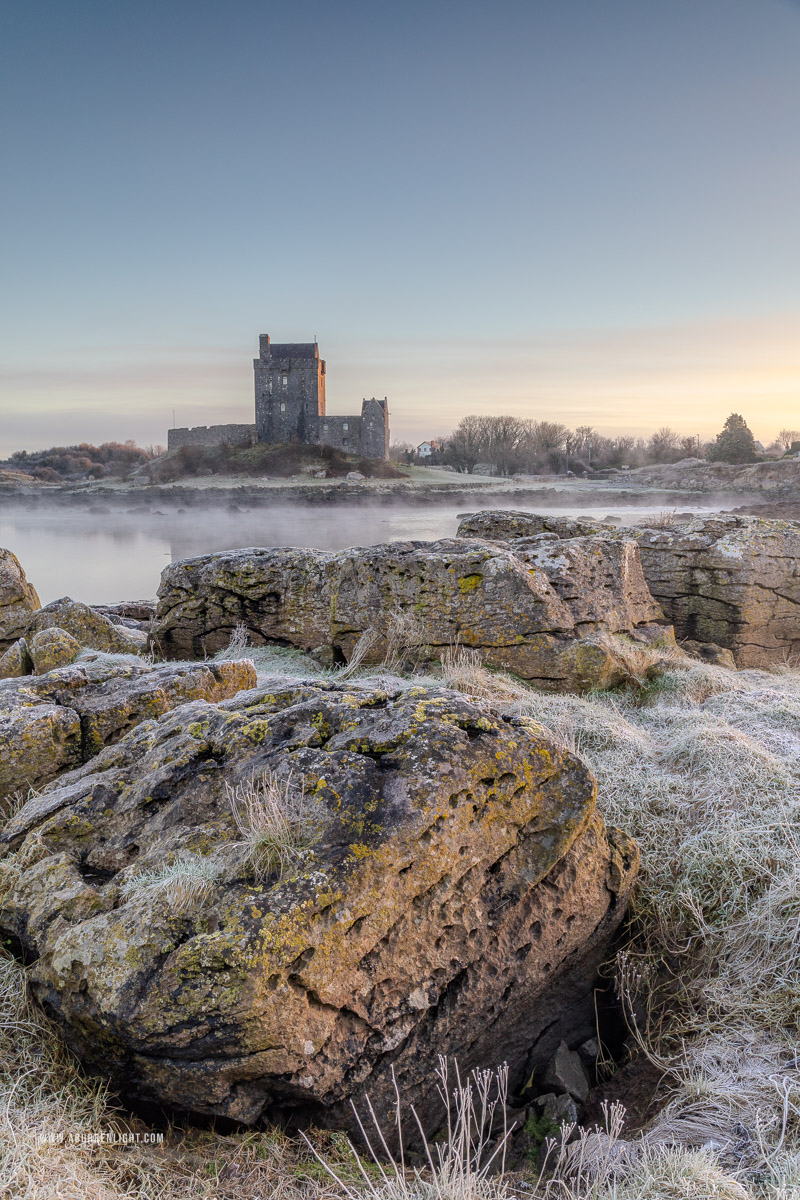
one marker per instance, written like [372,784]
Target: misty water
[106,558]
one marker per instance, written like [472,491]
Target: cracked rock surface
[729,580]
[543,608]
[53,722]
[456,898]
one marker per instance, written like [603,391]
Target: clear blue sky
[586,210]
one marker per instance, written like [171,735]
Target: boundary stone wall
[212,435]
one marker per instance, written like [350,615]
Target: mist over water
[104,558]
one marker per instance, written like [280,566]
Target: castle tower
[290,391]
[375,428]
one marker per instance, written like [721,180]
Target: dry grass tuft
[462,669]
[673,1173]
[402,636]
[181,884]
[276,820]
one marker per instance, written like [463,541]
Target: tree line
[513,445]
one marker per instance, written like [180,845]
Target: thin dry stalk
[463,1165]
[239,640]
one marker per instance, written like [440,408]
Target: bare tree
[505,439]
[542,445]
[691,447]
[663,445]
[464,447]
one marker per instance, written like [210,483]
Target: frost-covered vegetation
[278,461]
[702,765]
[83,461]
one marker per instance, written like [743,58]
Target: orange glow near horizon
[689,377]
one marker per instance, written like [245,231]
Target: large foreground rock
[729,580]
[545,609]
[18,599]
[54,722]
[455,897]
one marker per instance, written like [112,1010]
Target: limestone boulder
[709,652]
[88,627]
[36,744]
[502,525]
[527,609]
[453,892]
[53,648]
[18,599]
[16,661]
[729,580]
[53,722]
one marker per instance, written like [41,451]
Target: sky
[573,210]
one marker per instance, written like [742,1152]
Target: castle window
[283,408]
[285,380]
[345,425]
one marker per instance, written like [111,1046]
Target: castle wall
[211,435]
[342,432]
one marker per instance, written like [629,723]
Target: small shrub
[663,520]
[379,468]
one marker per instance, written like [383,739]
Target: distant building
[426,449]
[290,407]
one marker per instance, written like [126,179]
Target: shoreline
[500,494]
[767,489]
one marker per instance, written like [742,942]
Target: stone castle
[290,407]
